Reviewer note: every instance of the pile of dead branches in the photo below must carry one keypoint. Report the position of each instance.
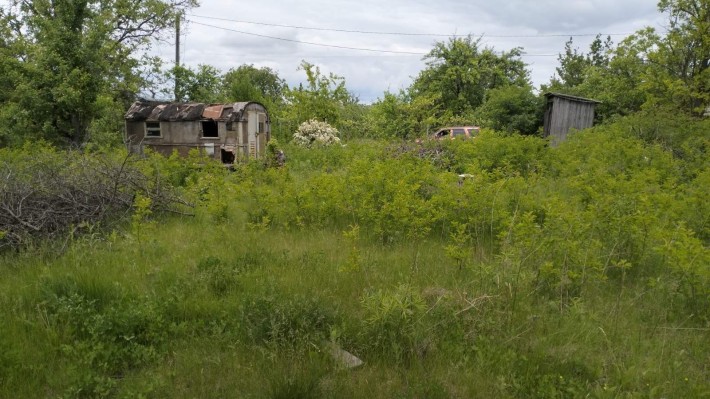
(432, 151)
(50, 193)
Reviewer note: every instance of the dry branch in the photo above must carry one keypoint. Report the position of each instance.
(44, 197)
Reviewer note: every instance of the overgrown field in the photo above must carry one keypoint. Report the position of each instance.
(497, 267)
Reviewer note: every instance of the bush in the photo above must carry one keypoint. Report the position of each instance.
(314, 132)
(104, 332)
(393, 323)
(45, 193)
(299, 322)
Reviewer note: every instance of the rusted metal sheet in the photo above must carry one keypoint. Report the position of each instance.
(171, 112)
(141, 110)
(213, 112)
(157, 111)
(178, 112)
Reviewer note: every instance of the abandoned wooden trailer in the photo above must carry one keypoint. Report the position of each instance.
(227, 132)
(565, 112)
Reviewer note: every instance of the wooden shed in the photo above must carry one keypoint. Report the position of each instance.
(227, 132)
(565, 112)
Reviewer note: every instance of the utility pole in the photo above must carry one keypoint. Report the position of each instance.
(177, 54)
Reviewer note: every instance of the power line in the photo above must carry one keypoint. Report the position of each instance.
(365, 32)
(311, 43)
(339, 46)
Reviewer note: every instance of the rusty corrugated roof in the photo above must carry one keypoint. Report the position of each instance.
(167, 111)
(213, 111)
(141, 110)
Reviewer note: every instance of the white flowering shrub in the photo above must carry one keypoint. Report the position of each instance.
(314, 132)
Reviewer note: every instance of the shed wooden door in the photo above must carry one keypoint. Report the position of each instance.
(252, 124)
(261, 133)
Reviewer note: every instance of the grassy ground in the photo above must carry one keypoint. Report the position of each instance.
(580, 271)
(203, 309)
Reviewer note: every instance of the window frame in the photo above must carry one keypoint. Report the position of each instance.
(202, 130)
(149, 130)
(260, 125)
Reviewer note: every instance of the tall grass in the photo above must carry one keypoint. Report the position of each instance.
(569, 272)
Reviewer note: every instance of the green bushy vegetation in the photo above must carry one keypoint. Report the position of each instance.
(498, 267)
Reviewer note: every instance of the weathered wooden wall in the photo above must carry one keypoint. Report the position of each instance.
(564, 114)
(245, 137)
(180, 136)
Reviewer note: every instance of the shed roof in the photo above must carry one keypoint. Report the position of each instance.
(573, 98)
(167, 111)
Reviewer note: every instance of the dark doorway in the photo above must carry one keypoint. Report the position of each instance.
(227, 157)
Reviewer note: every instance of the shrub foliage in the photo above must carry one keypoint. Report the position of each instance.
(499, 266)
(314, 132)
(47, 193)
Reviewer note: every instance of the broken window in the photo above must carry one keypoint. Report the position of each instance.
(209, 129)
(152, 129)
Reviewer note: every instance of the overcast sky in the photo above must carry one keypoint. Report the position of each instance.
(226, 34)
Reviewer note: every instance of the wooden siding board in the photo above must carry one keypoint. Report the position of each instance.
(181, 127)
(564, 114)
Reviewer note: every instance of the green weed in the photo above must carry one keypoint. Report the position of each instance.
(573, 271)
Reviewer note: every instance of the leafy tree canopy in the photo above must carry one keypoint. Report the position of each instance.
(459, 73)
(680, 61)
(322, 98)
(198, 85)
(64, 55)
(574, 65)
(648, 69)
(249, 83)
(512, 109)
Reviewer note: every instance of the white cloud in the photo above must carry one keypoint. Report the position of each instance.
(553, 16)
(369, 74)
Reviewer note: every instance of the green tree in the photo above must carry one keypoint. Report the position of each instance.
(248, 83)
(575, 65)
(647, 69)
(324, 98)
(599, 51)
(610, 75)
(402, 116)
(618, 82)
(681, 59)
(512, 109)
(10, 65)
(263, 85)
(391, 115)
(70, 57)
(572, 69)
(199, 85)
(459, 73)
